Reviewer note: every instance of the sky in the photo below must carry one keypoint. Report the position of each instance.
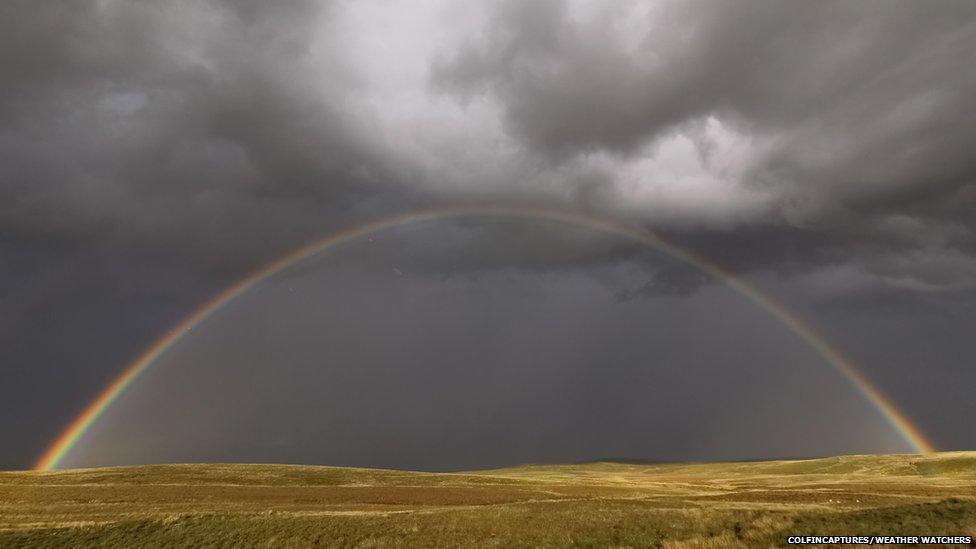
(152, 153)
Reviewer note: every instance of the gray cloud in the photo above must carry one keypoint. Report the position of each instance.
(153, 152)
(149, 154)
(861, 117)
(183, 124)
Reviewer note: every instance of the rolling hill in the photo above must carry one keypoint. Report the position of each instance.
(593, 504)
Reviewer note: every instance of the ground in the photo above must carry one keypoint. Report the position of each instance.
(593, 505)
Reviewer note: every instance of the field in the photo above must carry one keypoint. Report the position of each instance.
(594, 504)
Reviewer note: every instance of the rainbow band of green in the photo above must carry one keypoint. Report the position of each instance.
(61, 446)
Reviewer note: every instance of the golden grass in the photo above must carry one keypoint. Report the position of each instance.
(596, 504)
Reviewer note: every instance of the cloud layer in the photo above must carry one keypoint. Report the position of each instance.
(153, 152)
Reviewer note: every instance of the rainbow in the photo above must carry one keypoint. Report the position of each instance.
(61, 446)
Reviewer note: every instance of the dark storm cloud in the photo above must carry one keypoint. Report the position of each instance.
(569, 84)
(152, 152)
(188, 125)
(867, 111)
(198, 127)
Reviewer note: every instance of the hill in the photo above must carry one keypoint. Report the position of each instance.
(593, 504)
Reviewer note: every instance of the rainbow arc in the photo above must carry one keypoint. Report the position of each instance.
(61, 446)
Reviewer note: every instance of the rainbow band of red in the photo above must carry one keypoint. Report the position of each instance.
(60, 447)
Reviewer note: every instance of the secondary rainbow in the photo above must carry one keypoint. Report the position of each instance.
(60, 447)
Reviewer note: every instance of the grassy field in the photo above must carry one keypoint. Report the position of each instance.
(590, 505)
